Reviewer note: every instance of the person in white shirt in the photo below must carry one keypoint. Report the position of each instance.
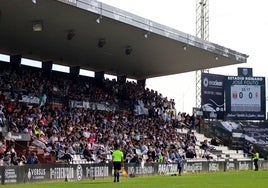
(63, 155)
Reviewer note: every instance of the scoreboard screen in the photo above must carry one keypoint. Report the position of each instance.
(245, 98)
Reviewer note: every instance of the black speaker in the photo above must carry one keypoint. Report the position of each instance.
(99, 76)
(15, 61)
(75, 71)
(128, 50)
(47, 65)
(47, 68)
(121, 79)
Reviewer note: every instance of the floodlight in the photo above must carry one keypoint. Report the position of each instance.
(147, 35)
(37, 26)
(98, 20)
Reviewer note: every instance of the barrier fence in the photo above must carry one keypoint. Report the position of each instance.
(77, 172)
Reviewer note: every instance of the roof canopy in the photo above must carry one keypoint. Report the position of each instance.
(99, 37)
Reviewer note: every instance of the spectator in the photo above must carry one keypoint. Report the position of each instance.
(207, 155)
(7, 158)
(251, 150)
(192, 122)
(215, 141)
(2, 98)
(3, 145)
(87, 153)
(86, 127)
(190, 152)
(1, 159)
(161, 158)
(205, 145)
(135, 160)
(63, 154)
(198, 123)
(246, 149)
(32, 159)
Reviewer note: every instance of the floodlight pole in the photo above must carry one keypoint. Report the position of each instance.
(202, 31)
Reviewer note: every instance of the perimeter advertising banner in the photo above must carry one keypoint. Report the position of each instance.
(77, 172)
(212, 96)
(245, 98)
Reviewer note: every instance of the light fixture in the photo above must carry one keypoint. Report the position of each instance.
(34, 1)
(184, 48)
(217, 58)
(98, 20)
(101, 42)
(147, 35)
(70, 34)
(37, 26)
(128, 50)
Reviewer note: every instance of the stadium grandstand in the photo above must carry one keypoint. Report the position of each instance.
(68, 117)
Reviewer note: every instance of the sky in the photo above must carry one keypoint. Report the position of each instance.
(241, 25)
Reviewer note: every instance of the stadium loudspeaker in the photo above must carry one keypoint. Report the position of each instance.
(70, 35)
(75, 70)
(47, 65)
(121, 79)
(141, 82)
(128, 50)
(15, 60)
(47, 68)
(101, 43)
(99, 76)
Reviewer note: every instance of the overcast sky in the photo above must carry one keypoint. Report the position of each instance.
(241, 25)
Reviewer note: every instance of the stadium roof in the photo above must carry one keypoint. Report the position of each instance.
(95, 36)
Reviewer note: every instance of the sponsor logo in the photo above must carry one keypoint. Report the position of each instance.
(62, 173)
(36, 173)
(205, 82)
(212, 83)
(79, 172)
(245, 72)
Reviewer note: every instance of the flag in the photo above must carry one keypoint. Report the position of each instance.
(124, 172)
(42, 100)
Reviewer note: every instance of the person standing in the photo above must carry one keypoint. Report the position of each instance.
(255, 160)
(179, 165)
(118, 161)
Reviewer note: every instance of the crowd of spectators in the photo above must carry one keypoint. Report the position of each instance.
(63, 132)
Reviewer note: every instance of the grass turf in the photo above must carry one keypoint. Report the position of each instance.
(234, 179)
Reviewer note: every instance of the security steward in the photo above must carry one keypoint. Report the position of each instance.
(255, 159)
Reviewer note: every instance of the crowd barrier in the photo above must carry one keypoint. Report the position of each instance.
(77, 172)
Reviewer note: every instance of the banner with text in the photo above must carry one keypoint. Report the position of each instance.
(212, 96)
